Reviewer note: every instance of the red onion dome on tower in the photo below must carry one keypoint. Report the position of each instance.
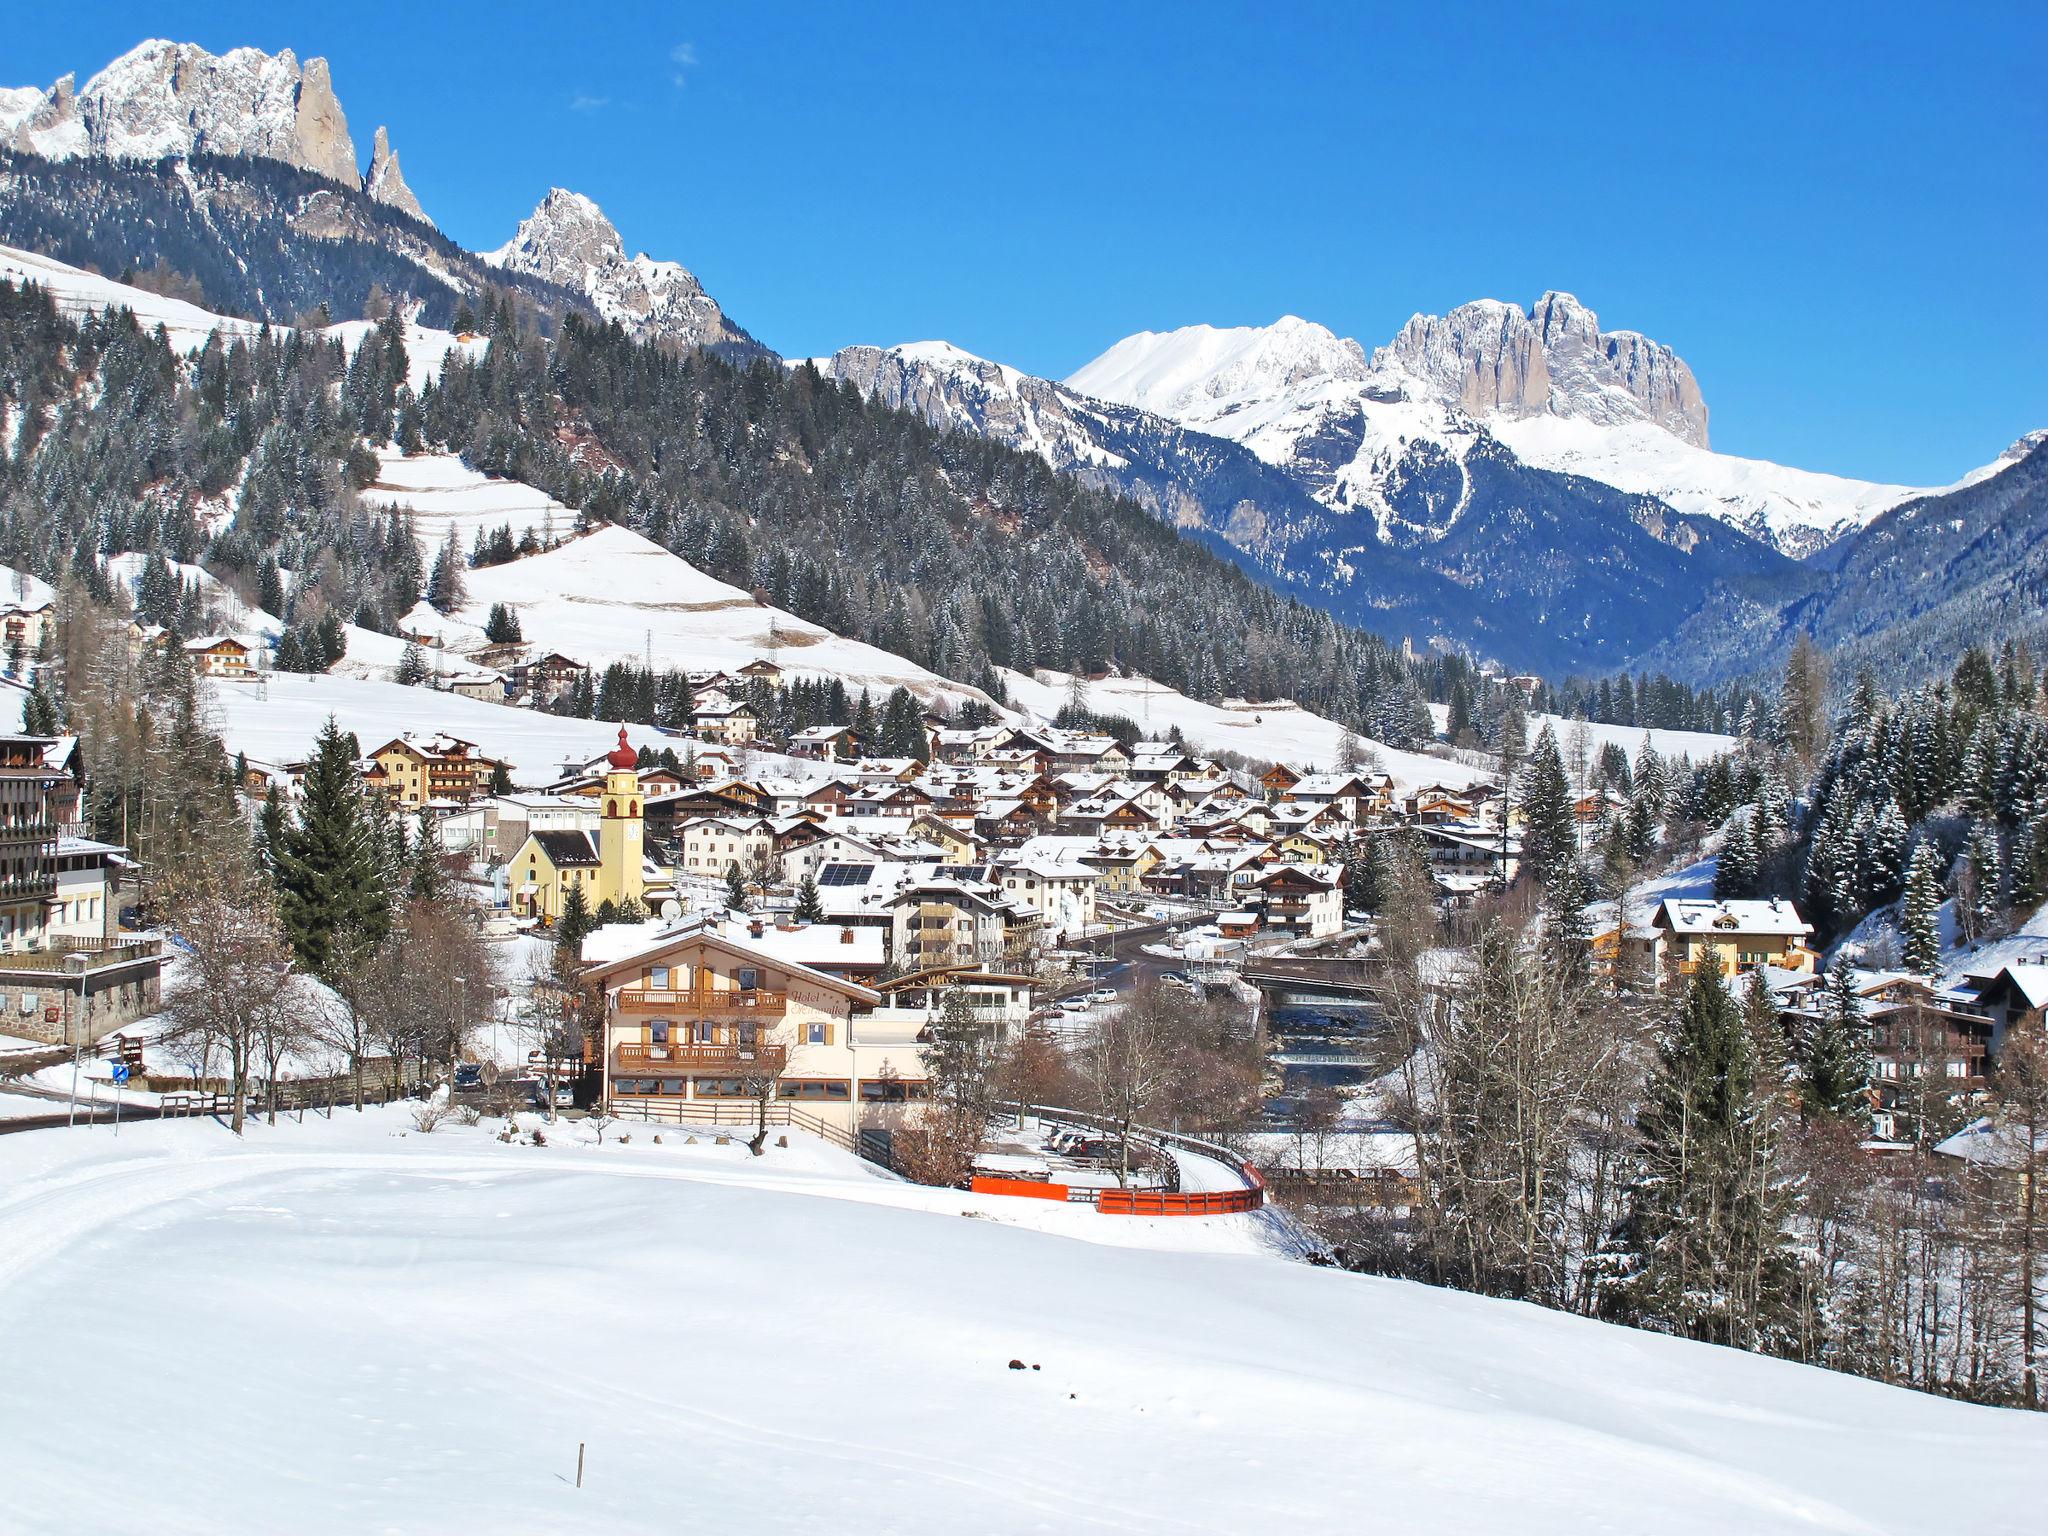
(623, 756)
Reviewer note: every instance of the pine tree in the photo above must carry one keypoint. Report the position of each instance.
(1735, 872)
(39, 713)
(502, 627)
(412, 666)
(1701, 1250)
(1835, 1070)
(736, 898)
(1550, 829)
(810, 907)
(328, 868)
(574, 925)
(445, 586)
(1567, 935)
(1920, 911)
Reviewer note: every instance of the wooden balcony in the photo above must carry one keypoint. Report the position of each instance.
(656, 1059)
(706, 1002)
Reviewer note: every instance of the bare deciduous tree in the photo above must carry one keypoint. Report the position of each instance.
(236, 991)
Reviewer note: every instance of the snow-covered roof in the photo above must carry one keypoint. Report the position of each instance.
(1708, 918)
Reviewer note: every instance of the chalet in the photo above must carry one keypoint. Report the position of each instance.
(1278, 780)
(728, 724)
(1735, 936)
(711, 1014)
(219, 656)
(23, 624)
(2015, 996)
(823, 743)
(1062, 890)
(414, 771)
(1301, 900)
(1238, 925)
(761, 670)
(714, 845)
(948, 918)
(547, 678)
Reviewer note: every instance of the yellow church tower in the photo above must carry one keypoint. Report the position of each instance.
(622, 833)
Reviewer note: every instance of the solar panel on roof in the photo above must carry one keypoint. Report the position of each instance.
(846, 874)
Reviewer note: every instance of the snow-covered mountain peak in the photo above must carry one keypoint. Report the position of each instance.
(566, 237)
(164, 98)
(568, 240)
(1193, 371)
(1496, 359)
(172, 99)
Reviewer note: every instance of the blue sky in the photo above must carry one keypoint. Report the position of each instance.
(1835, 215)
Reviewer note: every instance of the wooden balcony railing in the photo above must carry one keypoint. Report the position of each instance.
(700, 1058)
(700, 1001)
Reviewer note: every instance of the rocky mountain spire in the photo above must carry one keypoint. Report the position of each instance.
(568, 240)
(386, 182)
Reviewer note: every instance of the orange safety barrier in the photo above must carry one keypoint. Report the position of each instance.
(1153, 1202)
(1030, 1188)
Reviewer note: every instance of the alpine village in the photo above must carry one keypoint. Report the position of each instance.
(486, 736)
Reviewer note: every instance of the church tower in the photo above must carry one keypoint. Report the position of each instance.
(623, 831)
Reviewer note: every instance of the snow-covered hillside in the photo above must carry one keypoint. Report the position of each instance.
(740, 1344)
(614, 596)
(1276, 731)
(444, 496)
(78, 293)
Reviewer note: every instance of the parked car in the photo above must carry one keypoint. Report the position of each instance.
(1102, 995)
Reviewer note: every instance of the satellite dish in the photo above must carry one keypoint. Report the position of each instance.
(671, 908)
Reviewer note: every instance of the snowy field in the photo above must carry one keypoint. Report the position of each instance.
(344, 1327)
(614, 596)
(1279, 731)
(279, 721)
(1696, 745)
(444, 496)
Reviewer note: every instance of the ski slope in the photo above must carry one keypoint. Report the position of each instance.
(349, 1326)
(1276, 731)
(444, 496)
(613, 596)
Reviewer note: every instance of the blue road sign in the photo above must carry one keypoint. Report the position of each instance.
(120, 1071)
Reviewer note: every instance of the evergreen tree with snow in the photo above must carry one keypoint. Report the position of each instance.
(1702, 1250)
(1550, 827)
(412, 666)
(1735, 867)
(810, 906)
(328, 866)
(1568, 936)
(1920, 910)
(502, 626)
(1835, 1071)
(574, 925)
(736, 897)
(39, 713)
(445, 586)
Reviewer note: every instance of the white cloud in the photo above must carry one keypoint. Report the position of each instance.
(582, 103)
(682, 58)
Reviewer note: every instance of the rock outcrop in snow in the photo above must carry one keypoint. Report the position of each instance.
(567, 240)
(386, 182)
(1563, 394)
(169, 99)
(1493, 359)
